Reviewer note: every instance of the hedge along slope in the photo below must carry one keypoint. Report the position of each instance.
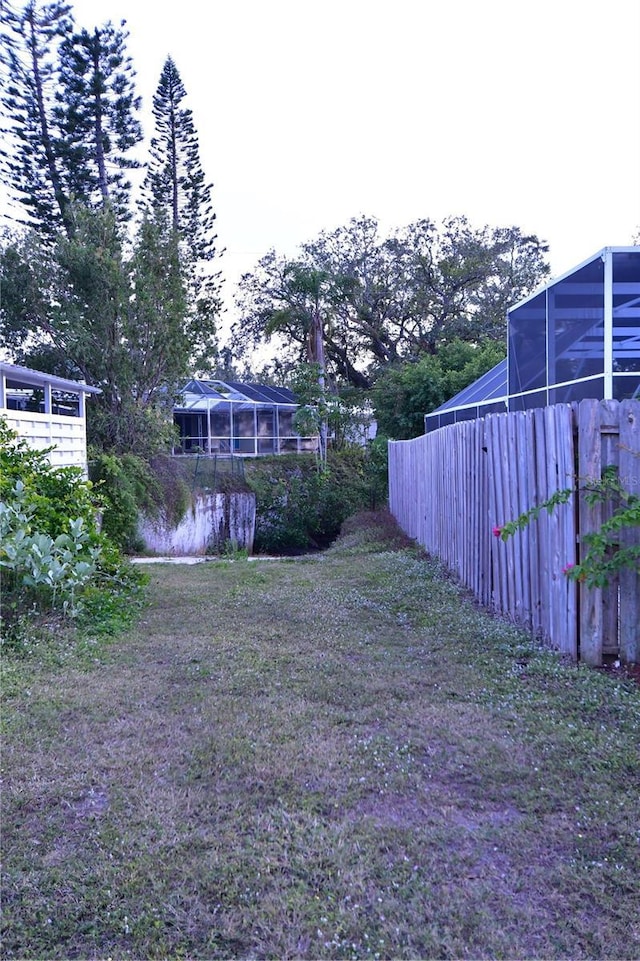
(300, 507)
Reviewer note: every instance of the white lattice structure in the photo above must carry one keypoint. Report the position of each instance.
(46, 411)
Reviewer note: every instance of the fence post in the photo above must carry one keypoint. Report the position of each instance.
(629, 474)
(589, 520)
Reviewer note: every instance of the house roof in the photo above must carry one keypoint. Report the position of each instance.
(22, 376)
(491, 386)
(238, 393)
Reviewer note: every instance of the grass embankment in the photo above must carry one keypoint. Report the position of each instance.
(330, 758)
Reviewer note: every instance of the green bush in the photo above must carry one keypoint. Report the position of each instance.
(301, 507)
(52, 556)
(38, 568)
(52, 494)
(128, 485)
(404, 394)
(118, 489)
(377, 472)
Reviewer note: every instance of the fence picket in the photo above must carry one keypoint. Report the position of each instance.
(568, 639)
(589, 468)
(541, 525)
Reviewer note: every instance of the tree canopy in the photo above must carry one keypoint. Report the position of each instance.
(70, 114)
(389, 300)
(403, 395)
(177, 197)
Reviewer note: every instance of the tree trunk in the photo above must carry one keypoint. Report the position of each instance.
(316, 356)
(52, 166)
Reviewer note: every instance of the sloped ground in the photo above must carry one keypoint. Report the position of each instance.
(335, 757)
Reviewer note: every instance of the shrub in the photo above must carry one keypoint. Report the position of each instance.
(52, 555)
(300, 506)
(128, 485)
(52, 494)
(37, 568)
(377, 472)
(119, 491)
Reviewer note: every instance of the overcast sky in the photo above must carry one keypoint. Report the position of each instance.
(310, 112)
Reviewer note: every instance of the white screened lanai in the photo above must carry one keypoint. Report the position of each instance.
(47, 412)
(576, 338)
(216, 417)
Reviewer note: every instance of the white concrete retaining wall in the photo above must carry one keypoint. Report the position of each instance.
(215, 521)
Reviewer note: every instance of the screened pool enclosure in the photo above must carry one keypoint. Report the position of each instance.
(577, 338)
(215, 417)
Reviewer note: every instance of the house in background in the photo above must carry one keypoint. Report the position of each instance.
(576, 338)
(46, 411)
(216, 417)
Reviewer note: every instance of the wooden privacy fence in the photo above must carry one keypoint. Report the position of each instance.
(451, 488)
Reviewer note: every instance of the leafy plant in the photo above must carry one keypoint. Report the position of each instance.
(119, 491)
(299, 507)
(377, 472)
(128, 485)
(604, 553)
(40, 570)
(54, 494)
(52, 556)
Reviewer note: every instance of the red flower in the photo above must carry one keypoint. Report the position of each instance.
(497, 531)
(567, 568)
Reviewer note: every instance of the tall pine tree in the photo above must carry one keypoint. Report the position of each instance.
(82, 294)
(30, 157)
(96, 110)
(176, 194)
(69, 114)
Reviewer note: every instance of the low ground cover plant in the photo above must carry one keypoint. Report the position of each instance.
(337, 757)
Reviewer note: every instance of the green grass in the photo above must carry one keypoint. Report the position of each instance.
(334, 757)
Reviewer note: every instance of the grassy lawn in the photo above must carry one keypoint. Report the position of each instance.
(334, 757)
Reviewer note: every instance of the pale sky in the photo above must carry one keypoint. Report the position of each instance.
(510, 112)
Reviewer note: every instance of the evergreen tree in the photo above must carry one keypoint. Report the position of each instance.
(29, 288)
(30, 161)
(84, 309)
(177, 195)
(81, 296)
(96, 107)
(69, 109)
(158, 344)
(93, 286)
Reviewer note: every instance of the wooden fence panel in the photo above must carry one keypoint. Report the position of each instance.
(540, 558)
(522, 453)
(591, 517)
(567, 641)
(497, 507)
(610, 456)
(450, 488)
(554, 564)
